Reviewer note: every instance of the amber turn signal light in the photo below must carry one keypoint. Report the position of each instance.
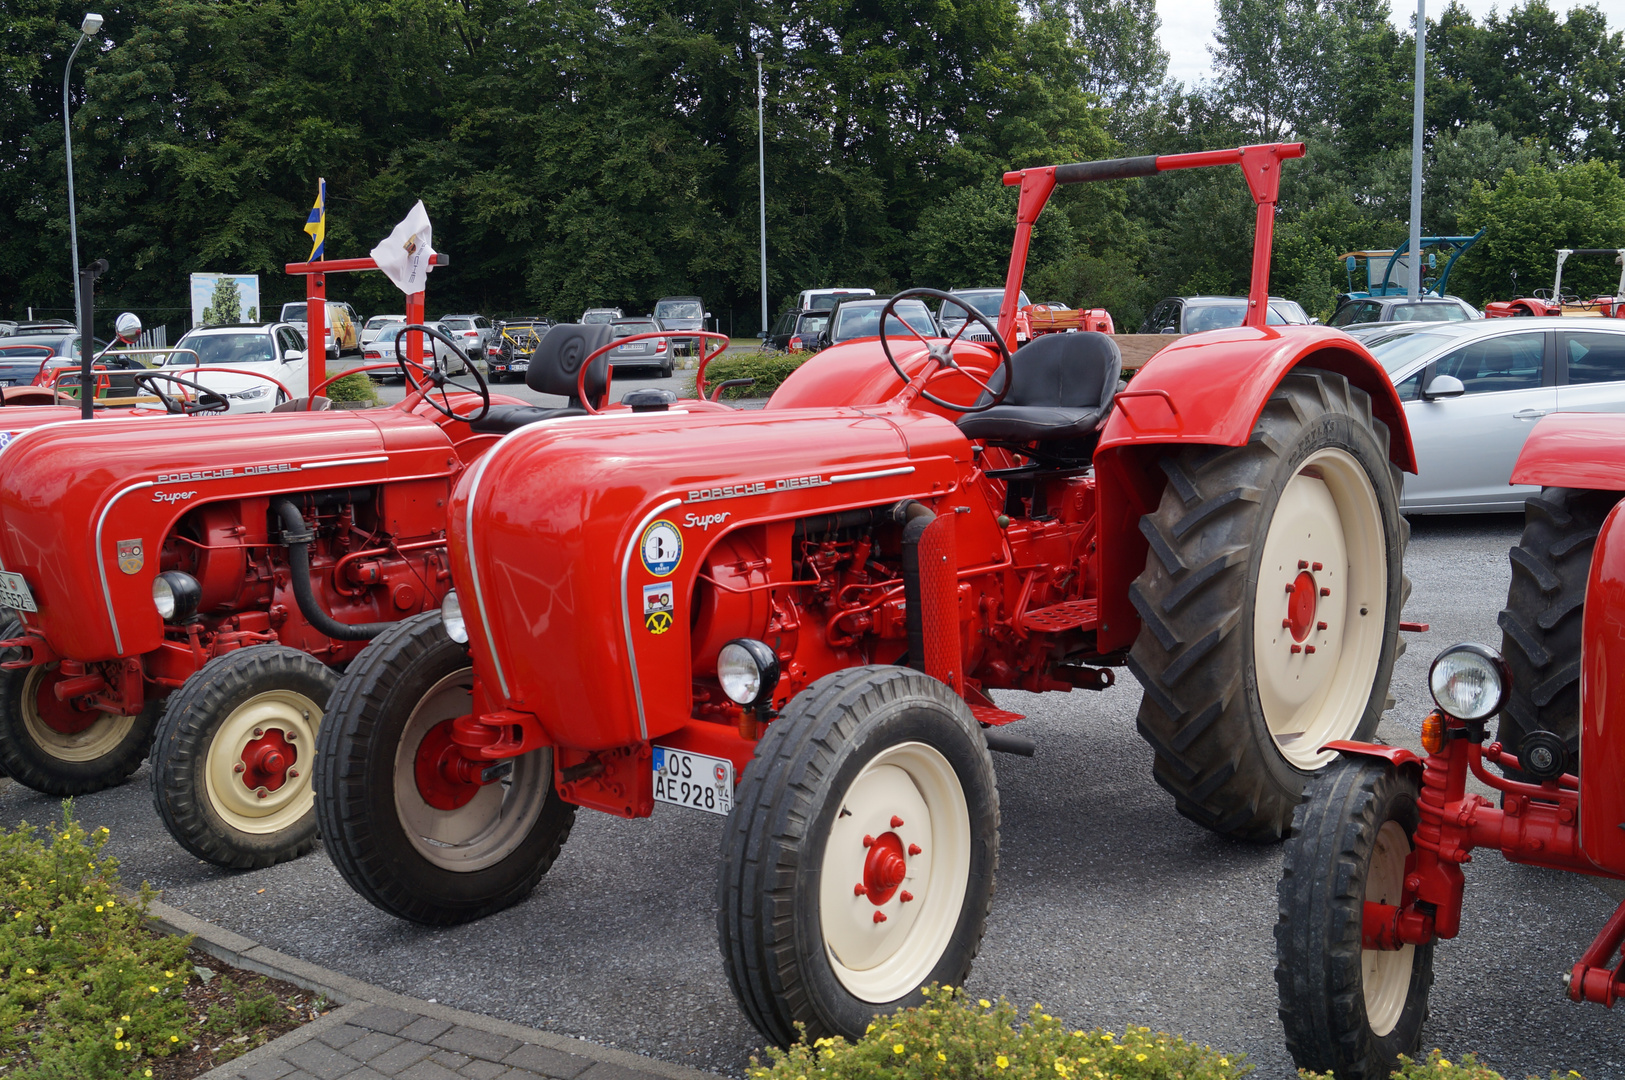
(1433, 733)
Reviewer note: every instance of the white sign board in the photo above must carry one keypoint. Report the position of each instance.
(213, 296)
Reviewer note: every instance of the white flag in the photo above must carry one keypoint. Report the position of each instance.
(404, 255)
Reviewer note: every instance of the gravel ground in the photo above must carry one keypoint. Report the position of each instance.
(1111, 909)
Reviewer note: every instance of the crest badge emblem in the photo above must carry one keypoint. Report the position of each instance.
(130, 556)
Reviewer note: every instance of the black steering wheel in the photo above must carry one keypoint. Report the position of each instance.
(944, 352)
(208, 400)
(436, 379)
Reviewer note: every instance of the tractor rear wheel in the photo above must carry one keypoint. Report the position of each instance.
(1348, 1009)
(857, 864)
(1270, 605)
(59, 747)
(232, 762)
(416, 844)
(1540, 626)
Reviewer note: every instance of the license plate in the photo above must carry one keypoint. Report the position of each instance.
(521, 365)
(696, 781)
(14, 594)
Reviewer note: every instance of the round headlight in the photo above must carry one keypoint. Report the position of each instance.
(451, 613)
(749, 671)
(176, 594)
(1469, 681)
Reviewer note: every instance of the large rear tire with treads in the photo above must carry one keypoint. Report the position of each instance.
(1270, 605)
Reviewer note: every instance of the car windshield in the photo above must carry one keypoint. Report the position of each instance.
(863, 320)
(1395, 352)
(457, 324)
(813, 324)
(293, 312)
(592, 317)
(1429, 313)
(381, 320)
(627, 329)
(224, 350)
(677, 309)
(985, 301)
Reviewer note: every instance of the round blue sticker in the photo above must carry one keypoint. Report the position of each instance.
(661, 548)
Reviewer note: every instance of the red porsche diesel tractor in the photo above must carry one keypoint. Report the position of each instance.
(232, 559)
(1556, 302)
(1372, 877)
(814, 600)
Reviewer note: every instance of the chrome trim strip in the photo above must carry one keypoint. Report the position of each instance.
(101, 563)
(345, 461)
(901, 470)
(626, 609)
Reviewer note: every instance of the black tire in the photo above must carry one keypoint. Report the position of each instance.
(1320, 970)
(360, 806)
(33, 754)
(1540, 626)
(252, 707)
(1206, 600)
(667, 371)
(798, 795)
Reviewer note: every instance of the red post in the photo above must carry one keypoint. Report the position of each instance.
(414, 314)
(316, 331)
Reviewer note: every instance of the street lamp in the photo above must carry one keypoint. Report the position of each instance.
(761, 180)
(87, 30)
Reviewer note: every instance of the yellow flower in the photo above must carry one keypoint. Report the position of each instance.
(897, 1048)
(985, 1003)
(1446, 1063)
(118, 1033)
(174, 1038)
(98, 909)
(148, 1072)
(1002, 1062)
(118, 1046)
(941, 1056)
(30, 970)
(154, 989)
(1139, 1057)
(1225, 1062)
(169, 974)
(126, 1016)
(19, 914)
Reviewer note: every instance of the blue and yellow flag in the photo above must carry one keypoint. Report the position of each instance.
(316, 225)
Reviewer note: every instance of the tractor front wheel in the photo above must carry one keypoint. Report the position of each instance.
(1346, 1009)
(65, 748)
(232, 762)
(858, 862)
(1270, 605)
(403, 829)
(1540, 626)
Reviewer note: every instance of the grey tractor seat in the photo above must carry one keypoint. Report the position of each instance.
(1062, 386)
(501, 419)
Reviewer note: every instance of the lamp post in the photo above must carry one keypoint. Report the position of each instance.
(87, 30)
(761, 181)
(1415, 288)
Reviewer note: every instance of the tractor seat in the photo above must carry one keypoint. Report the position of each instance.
(501, 419)
(304, 404)
(556, 362)
(1063, 388)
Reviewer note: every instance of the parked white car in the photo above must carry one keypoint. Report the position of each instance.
(274, 349)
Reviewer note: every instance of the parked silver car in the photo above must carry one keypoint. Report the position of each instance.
(1472, 392)
(473, 333)
(381, 350)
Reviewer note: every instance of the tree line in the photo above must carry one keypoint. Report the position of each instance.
(584, 153)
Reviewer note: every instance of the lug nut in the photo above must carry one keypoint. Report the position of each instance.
(860, 889)
(1320, 626)
(914, 849)
(1325, 592)
(261, 793)
(868, 841)
(293, 774)
(1308, 649)
(239, 767)
(1303, 564)
(880, 916)
(259, 733)
(292, 735)
(1317, 566)
(1286, 624)
(906, 896)
(896, 822)
(1297, 648)
(1289, 586)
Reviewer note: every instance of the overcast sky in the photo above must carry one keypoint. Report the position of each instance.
(1187, 27)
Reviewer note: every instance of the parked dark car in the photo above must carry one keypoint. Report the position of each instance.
(861, 318)
(650, 352)
(681, 313)
(1194, 314)
(514, 340)
(1372, 309)
(29, 358)
(797, 331)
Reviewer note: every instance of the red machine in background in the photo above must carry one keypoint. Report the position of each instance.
(1557, 303)
(816, 599)
(1373, 875)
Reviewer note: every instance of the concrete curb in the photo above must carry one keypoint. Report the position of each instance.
(355, 997)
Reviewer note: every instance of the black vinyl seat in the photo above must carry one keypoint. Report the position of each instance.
(1063, 385)
(554, 365)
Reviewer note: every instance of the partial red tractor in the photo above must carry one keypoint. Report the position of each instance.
(1373, 875)
(794, 617)
(1556, 302)
(235, 560)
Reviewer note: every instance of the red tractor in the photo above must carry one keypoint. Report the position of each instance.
(793, 617)
(234, 560)
(1557, 303)
(1372, 876)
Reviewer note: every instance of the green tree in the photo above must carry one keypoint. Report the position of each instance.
(226, 305)
(964, 241)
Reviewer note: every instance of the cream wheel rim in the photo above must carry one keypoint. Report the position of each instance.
(1385, 974)
(96, 741)
(242, 797)
(1321, 606)
(491, 825)
(907, 800)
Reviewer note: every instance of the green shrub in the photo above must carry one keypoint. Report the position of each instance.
(355, 387)
(768, 369)
(952, 1036)
(1439, 1067)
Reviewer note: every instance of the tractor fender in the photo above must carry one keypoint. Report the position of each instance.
(1602, 701)
(1208, 388)
(1397, 756)
(1574, 450)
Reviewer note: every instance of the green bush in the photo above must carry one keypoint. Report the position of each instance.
(1439, 1067)
(768, 369)
(356, 387)
(952, 1036)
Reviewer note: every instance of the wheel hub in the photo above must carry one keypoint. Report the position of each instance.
(267, 759)
(1301, 608)
(64, 717)
(446, 779)
(255, 778)
(884, 869)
